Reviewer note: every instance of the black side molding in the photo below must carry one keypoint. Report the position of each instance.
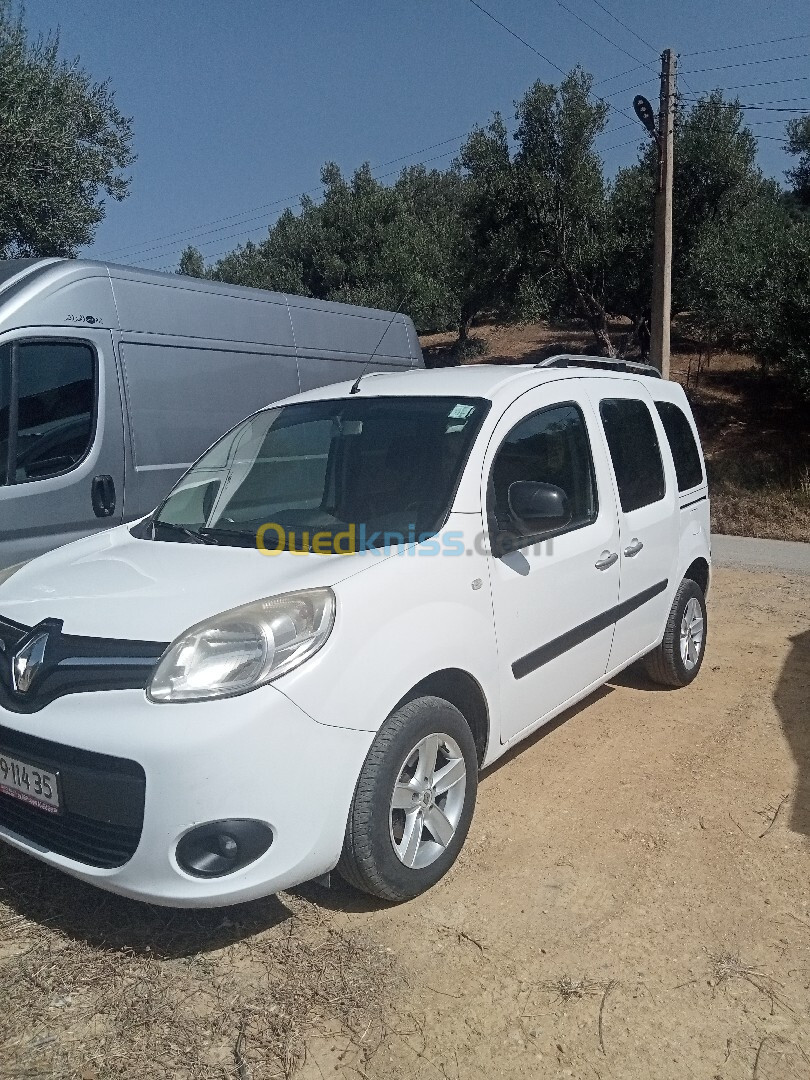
(571, 638)
(694, 502)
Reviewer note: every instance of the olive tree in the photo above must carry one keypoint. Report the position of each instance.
(63, 146)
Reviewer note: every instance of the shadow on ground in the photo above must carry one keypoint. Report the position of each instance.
(636, 678)
(792, 700)
(31, 890)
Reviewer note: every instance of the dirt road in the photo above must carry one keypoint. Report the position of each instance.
(633, 902)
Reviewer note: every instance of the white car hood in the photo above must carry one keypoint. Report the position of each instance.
(112, 585)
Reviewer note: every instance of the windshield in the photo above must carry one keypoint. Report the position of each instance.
(302, 477)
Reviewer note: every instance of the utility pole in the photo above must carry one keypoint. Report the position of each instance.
(662, 256)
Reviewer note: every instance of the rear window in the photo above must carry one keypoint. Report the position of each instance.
(682, 443)
(634, 451)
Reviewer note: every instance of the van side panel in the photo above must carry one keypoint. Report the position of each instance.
(181, 398)
(63, 296)
(356, 335)
(175, 308)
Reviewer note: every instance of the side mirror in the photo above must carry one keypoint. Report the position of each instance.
(538, 508)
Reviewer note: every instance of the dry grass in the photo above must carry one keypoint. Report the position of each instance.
(725, 967)
(770, 512)
(102, 987)
(568, 989)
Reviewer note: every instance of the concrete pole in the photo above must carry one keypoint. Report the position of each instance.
(662, 257)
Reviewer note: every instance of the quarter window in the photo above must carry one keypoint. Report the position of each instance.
(549, 447)
(47, 409)
(682, 443)
(634, 451)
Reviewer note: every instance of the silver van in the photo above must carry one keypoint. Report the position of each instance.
(113, 380)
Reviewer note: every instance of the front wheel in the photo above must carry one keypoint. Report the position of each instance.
(413, 803)
(677, 659)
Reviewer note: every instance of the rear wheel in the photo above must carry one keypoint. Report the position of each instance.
(677, 659)
(413, 803)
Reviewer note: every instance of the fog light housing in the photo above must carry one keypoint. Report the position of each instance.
(219, 848)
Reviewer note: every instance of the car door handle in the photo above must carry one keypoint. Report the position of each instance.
(633, 548)
(103, 496)
(606, 560)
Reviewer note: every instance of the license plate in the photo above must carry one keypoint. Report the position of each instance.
(29, 784)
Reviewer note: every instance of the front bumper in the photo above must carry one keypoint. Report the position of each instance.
(257, 757)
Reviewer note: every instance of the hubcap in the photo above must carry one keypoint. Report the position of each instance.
(428, 800)
(691, 634)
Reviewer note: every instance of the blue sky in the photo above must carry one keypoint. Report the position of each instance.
(237, 103)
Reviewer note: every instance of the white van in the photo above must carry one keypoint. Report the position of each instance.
(353, 602)
(113, 380)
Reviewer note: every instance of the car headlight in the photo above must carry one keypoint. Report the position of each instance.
(6, 574)
(239, 650)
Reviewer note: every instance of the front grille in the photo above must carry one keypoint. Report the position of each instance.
(90, 842)
(71, 664)
(102, 800)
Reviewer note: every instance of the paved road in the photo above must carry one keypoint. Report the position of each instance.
(751, 554)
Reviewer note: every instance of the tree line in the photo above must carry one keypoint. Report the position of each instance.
(520, 227)
(529, 227)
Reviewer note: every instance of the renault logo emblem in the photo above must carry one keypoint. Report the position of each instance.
(27, 662)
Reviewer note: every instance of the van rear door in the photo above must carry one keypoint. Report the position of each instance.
(61, 440)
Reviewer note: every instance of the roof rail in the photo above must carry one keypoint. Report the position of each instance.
(630, 367)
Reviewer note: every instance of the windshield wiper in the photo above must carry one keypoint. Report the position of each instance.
(213, 535)
(195, 537)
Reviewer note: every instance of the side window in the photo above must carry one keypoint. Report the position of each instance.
(48, 426)
(634, 451)
(550, 447)
(682, 443)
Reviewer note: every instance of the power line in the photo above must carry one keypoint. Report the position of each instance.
(604, 37)
(197, 230)
(774, 82)
(616, 146)
(622, 127)
(747, 45)
(766, 105)
(516, 36)
(558, 68)
(630, 142)
(748, 63)
(742, 86)
(629, 71)
(186, 233)
(175, 247)
(760, 108)
(626, 90)
(624, 26)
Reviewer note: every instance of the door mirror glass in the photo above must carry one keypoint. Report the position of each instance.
(538, 507)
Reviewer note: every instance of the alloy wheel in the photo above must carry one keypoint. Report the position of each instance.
(691, 633)
(427, 801)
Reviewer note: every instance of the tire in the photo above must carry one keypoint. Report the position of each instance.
(668, 665)
(394, 854)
